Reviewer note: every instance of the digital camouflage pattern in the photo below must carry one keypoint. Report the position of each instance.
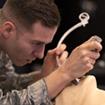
(18, 89)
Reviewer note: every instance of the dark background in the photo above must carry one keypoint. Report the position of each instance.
(70, 10)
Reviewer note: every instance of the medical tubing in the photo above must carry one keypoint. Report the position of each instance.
(68, 32)
(84, 17)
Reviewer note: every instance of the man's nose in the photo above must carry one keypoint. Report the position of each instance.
(40, 52)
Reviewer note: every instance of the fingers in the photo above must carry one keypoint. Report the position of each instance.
(94, 55)
(60, 49)
(95, 38)
(83, 58)
(93, 44)
(57, 51)
(89, 58)
(89, 62)
(90, 54)
(63, 57)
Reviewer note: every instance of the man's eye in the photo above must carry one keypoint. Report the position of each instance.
(37, 44)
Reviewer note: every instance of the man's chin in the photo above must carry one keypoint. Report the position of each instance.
(20, 64)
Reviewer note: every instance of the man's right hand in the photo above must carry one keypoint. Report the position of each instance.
(80, 61)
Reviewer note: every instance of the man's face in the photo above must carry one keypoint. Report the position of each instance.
(27, 45)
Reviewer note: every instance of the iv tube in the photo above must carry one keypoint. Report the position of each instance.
(84, 17)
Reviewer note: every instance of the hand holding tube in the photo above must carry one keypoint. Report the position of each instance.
(84, 17)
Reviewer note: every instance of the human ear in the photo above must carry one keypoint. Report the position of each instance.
(8, 29)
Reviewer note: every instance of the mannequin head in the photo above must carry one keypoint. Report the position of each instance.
(85, 93)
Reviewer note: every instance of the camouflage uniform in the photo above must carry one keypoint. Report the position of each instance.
(14, 90)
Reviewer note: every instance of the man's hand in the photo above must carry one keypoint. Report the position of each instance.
(80, 61)
(50, 62)
(82, 58)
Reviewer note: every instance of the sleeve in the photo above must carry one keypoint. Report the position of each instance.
(35, 94)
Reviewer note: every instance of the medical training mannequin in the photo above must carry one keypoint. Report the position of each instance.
(85, 93)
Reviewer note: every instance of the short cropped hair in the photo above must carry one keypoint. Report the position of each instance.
(28, 12)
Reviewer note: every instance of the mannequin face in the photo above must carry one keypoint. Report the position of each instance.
(85, 93)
